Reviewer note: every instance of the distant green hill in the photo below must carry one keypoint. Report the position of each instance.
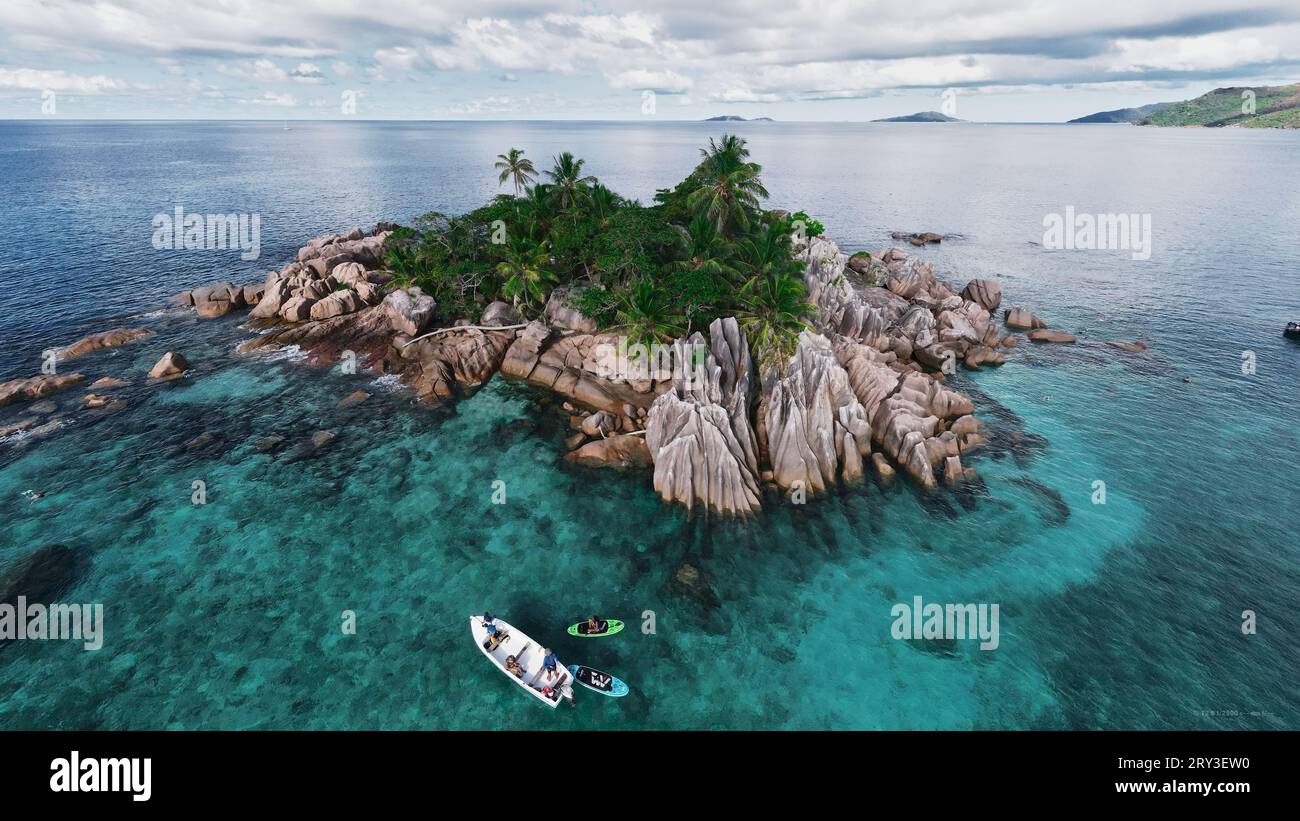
(921, 117)
(1275, 107)
(1123, 115)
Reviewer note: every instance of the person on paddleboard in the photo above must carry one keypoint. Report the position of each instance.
(594, 626)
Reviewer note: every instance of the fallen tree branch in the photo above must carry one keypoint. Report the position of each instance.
(467, 328)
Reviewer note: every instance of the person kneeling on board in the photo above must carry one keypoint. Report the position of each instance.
(595, 626)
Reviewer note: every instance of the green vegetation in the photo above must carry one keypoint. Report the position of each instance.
(705, 249)
(1275, 107)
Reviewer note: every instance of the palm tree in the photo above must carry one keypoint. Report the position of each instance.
(647, 314)
(535, 209)
(729, 185)
(524, 272)
(772, 309)
(767, 250)
(703, 247)
(402, 258)
(604, 203)
(568, 185)
(515, 166)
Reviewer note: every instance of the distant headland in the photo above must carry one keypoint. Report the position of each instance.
(1235, 106)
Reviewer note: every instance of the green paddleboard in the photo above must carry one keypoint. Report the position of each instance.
(580, 629)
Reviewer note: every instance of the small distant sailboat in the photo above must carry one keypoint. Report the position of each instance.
(286, 126)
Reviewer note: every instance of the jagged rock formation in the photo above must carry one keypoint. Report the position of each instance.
(333, 275)
(886, 338)
(914, 419)
(815, 428)
(699, 432)
(871, 371)
(986, 293)
(624, 450)
(453, 362)
(577, 367)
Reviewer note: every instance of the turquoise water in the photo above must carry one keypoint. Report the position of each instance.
(1118, 615)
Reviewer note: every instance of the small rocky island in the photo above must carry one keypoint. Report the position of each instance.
(780, 364)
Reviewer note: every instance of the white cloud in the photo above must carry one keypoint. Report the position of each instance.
(258, 71)
(729, 51)
(271, 98)
(668, 82)
(39, 80)
(307, 73)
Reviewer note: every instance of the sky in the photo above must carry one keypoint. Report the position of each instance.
(990, 61)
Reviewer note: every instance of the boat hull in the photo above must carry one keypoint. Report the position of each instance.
(529, 655)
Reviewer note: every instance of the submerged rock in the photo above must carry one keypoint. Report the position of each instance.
(104, 339)
(34, 387)
(267, 444)
(353, 399)
(918, 238)
(1048, 335)
(689, 581)
(40, 576)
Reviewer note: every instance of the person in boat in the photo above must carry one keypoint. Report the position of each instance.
(494, 633)
(513, 666)
(595, 626)
(548, 663)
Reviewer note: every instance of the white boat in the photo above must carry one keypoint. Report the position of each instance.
(528, 654)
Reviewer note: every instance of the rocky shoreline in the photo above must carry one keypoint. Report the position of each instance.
(863, 392)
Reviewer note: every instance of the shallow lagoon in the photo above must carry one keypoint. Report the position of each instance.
(227, 615)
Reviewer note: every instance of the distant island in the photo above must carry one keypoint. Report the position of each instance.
(732, 118)
(1274, 107)
(1123, 115)
(921, 117)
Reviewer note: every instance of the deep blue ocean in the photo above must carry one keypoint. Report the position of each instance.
(1126, 614)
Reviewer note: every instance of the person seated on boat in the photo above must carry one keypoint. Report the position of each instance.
(494, 633)
(595, 626)
(548, 663)
(513, 666)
